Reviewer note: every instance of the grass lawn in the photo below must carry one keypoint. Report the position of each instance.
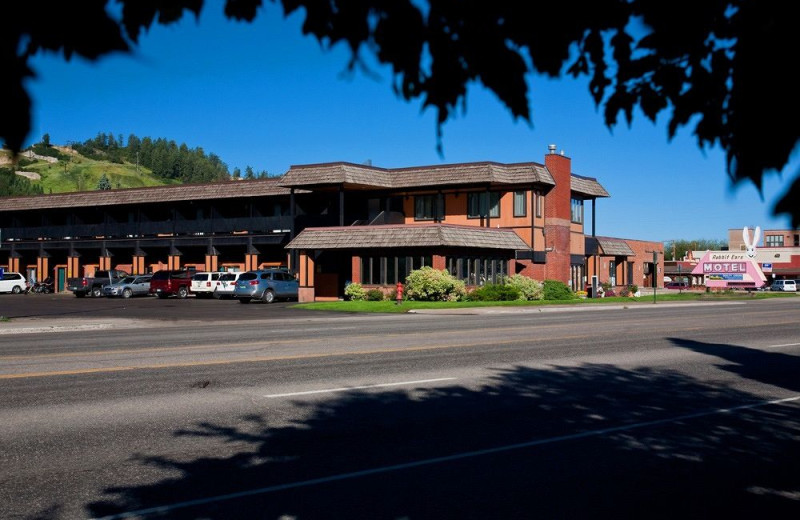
(670, 296)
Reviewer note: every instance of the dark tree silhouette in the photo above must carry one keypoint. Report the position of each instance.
(721, 67)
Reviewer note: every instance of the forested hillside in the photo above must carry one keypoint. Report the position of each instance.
(165, 159)
(107, 162)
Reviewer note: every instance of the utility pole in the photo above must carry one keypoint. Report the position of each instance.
(655, 272)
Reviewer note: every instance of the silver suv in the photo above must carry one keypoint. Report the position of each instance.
(265, 285)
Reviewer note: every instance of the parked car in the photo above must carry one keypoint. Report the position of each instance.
(226, 285)
(12, 282)
(174, 282)
(265, 285)
(129, 286)
(676, 285)
(784, 285)
(204, 284)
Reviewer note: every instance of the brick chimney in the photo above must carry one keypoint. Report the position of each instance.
(557, 216)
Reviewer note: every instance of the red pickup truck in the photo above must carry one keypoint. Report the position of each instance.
(166, 283)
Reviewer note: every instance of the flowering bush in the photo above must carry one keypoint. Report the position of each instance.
(355, 292)
(528, 288)
(429, 284)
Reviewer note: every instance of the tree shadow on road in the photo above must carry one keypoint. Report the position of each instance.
(589, 441)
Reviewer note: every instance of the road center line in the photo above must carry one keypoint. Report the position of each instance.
(345, 389)
(784, 345)
(447, 458)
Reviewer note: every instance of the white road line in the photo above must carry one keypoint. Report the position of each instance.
(345, 389)
(438, 460)
(784, 345)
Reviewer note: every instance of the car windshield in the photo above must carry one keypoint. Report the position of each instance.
(199, 277)
(227, 277)
(161, 275)
(248, 276)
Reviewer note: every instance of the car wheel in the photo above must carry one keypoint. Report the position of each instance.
(268, 296)
(182, 292)
(244, 300)
(97, 292)
(16, 289)
(46, 290)
(127, 293)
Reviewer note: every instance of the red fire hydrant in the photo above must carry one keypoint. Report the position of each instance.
(399, 293)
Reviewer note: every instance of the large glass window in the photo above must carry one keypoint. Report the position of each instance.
(577, 211)
(425, 207)
(520, 203)
(476, 204)
(773, 240)
(539, 203)
(477, 270)
(388, 270)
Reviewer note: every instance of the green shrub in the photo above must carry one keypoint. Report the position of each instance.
(429, 284)
(557, 290)
(355, 292)
(375, 295)
(606, 286)
(495, 293)
(528, 288)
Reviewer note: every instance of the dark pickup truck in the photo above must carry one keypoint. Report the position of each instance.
(93, 286)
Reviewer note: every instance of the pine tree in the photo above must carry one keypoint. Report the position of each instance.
(104, 183)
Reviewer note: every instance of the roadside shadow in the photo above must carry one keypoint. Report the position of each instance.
(773, 368)
(589, 441)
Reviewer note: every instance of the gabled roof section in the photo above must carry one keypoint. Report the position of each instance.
(366, 176)
(608, 246)
(214, 190)
(395, 236)
(587, 186)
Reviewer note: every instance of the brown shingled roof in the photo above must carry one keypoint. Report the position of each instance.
(214, 190)
(587, 186)
(608, 246)
(415, 177)
(394, 236)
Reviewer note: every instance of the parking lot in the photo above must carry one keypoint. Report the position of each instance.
(66, 305)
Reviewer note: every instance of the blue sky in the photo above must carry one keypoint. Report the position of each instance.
(263, 95)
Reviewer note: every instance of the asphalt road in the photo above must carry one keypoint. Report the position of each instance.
(205, 409)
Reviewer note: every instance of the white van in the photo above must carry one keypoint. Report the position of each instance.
(12, 282)
(226, 284)
(784, 285)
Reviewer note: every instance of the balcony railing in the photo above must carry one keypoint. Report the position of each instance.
(215, 226)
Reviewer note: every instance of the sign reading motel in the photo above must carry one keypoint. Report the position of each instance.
(727, 270)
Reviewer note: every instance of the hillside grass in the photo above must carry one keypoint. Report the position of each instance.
(83, 174)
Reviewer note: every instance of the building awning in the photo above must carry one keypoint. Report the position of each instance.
(404, 236)
(606, 246)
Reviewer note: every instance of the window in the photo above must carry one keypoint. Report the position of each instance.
(539, 203)
(477, 270)
(520, 203)
(388, 270)
(577, 211)
(425, 207)
(476, 204)
(774, 240)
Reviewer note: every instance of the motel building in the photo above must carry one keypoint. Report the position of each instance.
(336, 223)
(777, 256)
